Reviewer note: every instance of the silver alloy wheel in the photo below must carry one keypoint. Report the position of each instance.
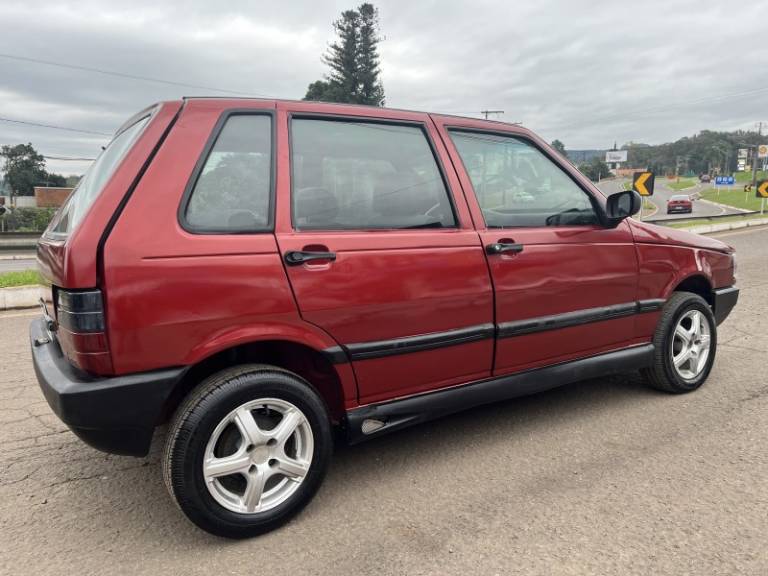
(258, 455)
(691, 344)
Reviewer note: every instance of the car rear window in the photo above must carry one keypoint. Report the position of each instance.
(678, 198)
(92, 183)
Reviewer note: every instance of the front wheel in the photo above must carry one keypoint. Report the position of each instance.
(685, 342)
(247, 450)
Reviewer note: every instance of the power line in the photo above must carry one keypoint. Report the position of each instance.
(128, 76)
(52, 126)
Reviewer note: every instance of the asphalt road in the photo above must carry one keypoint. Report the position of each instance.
(662, 194)
(10, 265)
(602, 477)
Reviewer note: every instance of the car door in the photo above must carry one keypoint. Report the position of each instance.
(565, 285)
(379, 250)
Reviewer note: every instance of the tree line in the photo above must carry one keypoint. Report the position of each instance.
(708, 152)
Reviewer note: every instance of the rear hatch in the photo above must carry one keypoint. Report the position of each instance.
(68, 252)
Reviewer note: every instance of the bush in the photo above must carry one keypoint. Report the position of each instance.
(27, 219)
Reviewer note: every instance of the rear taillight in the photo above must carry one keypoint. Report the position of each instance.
(81, 312)
(81, 329)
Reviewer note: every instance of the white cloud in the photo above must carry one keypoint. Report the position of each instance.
(586, 72)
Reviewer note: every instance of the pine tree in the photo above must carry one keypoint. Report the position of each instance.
(371, 89)
(353, 61)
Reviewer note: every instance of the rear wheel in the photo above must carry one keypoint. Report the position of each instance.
(685, 343)
(247, 450)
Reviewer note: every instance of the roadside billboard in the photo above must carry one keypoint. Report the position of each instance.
(612, 156)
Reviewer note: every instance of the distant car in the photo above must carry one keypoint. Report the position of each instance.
(705, 178)
(680, 204)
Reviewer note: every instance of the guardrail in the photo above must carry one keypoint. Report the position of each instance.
(700, 218)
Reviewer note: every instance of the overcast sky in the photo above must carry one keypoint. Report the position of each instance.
(586, 72)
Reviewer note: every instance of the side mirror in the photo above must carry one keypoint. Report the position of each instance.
(622, 205)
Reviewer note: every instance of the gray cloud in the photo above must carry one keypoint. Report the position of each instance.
(588, 73)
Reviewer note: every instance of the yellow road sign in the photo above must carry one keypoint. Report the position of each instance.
(762, 189)
(643, 183)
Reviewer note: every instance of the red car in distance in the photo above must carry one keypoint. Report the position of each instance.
(679, 204)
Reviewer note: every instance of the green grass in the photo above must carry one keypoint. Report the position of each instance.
(736, 197)
(705, 222)
(22, 278)
(682, 184)
(747, 176)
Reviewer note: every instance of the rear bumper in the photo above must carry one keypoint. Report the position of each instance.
(116, 415)
(724, 301)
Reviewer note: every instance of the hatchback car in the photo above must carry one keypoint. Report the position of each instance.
(679, 204)
(259, 273)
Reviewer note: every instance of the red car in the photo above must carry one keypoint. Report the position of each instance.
(259, 273)
(679, 204)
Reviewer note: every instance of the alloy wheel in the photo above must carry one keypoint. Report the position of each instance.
(691, 345)
(258, 456)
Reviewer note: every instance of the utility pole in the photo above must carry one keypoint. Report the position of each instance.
(754, 155)
(487, 112)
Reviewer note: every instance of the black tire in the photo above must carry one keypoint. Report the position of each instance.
(197, 418)
(662, 375)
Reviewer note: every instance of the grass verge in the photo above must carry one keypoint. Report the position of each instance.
(682, 184)
(20, 278)
(736, 197)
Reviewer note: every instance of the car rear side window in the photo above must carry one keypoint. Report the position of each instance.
(518, 186)
(365, 175)
(232, 190)
(94, 180)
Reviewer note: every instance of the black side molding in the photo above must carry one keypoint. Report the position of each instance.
(556, 321)
(432, 341)
(378, 419)
(366, 350)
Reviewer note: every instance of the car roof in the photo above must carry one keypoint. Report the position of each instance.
(353, 106)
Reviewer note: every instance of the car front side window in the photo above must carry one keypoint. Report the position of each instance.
(518, 186)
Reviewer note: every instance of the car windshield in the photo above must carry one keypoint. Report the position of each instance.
(94, 180)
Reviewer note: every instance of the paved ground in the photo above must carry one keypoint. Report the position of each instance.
(603, 477)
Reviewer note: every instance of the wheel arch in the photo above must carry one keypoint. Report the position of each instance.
(300, 350)
(696, 283)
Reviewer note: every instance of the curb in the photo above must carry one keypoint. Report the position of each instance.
(725, 226)
(20, 297)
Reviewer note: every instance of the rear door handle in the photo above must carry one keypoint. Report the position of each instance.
(297, 257)
(502, 247)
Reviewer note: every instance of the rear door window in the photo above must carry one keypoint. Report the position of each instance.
(350, 175)
(94, 180)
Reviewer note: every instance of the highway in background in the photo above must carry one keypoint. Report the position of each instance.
(662, 194)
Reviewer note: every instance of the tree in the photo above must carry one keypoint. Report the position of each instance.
(353, 61)
(560, 147)
(24, 169)
(595, 169)
(371, 88)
